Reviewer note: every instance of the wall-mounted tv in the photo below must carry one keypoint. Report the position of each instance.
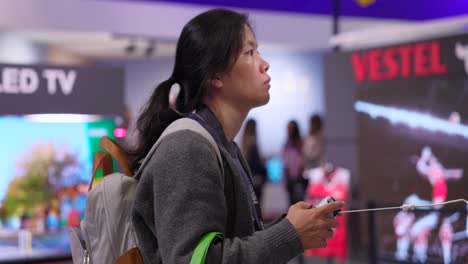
(45, 168)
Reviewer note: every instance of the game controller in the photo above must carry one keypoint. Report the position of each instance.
(327, 200)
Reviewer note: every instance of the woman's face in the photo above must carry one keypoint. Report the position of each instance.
(247, 83)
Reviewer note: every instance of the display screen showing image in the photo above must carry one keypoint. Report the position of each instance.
(414, 150)
(45, 169)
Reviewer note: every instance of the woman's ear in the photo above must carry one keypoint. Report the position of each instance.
(216, 82)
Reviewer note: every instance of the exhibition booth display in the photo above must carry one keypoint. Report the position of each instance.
(410, 112)
(51, 120)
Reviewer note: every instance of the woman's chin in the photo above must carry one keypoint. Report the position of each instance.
(264, 100)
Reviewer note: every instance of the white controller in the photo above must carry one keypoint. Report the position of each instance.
(327, 200)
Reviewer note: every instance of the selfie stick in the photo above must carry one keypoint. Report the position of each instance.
(404, 207)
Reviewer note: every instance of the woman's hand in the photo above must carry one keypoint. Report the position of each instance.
(313, 225)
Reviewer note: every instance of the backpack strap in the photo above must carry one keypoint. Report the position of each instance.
(115, 150)
(132, 256)
(103, 160)
(178, 125)
(200, 252)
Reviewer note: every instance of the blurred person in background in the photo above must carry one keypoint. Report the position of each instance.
(253, 157)
(313, 144)
(293, 164)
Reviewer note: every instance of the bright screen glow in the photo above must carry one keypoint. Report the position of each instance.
(45, 169)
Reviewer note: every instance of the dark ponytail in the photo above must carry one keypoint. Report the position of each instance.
(154, 118)
(208, 45)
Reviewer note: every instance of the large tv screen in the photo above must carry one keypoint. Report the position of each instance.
(45, 169)
(414, 149)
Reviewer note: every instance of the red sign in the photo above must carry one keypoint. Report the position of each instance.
(414, 60)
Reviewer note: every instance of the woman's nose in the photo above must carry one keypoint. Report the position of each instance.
(265, 65)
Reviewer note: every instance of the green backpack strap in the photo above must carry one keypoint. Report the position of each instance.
(201, 250)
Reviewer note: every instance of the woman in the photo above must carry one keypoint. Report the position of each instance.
(293, 164)
(313, 144)
(182, 193)
(252, 155)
